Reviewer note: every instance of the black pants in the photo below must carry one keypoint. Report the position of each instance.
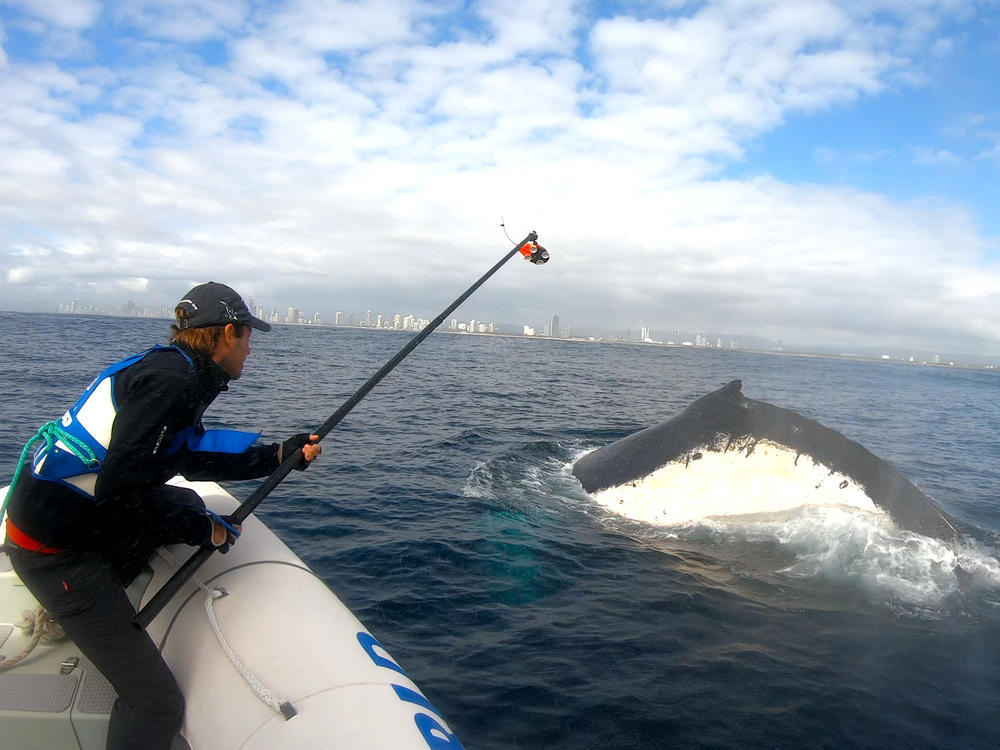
(84, 594)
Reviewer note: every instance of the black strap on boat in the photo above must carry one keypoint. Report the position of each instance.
(527, 247)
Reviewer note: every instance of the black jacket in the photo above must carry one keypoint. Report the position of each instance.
(157, 397)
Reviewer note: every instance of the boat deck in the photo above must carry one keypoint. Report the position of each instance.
(54, 699)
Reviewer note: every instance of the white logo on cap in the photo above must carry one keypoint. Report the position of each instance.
(193, 305)
(230, 313)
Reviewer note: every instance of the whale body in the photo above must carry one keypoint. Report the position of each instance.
(726, 454)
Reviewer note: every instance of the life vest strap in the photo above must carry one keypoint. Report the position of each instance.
(18, 537)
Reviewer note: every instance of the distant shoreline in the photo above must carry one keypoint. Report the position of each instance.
(950, 364)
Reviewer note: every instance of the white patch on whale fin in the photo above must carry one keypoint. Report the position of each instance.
(770, 478)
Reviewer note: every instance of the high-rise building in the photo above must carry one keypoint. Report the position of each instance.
(554, 329)
(293, 315)
(338, 318)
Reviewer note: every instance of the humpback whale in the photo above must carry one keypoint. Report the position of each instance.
(725, 447)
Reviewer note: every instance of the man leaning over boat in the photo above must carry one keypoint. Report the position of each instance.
(90, 507)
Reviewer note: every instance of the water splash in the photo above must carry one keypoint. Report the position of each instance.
(841, 547)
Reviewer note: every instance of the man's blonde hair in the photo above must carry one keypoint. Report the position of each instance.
(202, 340)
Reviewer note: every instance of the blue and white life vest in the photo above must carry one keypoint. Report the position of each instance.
(89, 422)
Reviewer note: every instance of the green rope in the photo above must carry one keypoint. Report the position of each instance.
(50, 432)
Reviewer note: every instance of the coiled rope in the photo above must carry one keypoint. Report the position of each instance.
(37, 623)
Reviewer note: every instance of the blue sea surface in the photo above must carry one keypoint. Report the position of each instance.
(443, 512)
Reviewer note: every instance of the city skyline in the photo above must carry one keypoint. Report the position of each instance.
(646, 335)
(292, 316)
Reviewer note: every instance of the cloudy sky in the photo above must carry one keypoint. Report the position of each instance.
(821, 171)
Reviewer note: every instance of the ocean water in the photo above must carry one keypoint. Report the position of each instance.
(444, 514)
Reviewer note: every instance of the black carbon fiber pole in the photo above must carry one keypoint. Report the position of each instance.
(177, 581)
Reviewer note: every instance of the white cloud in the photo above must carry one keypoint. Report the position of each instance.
(350, 145)
(182, 20)
(21, 275)
(135, 285)
(288, 62)
(941, 157)
(739, 68)
(67, 14)
(341, 25)
(541, 27)
(992, 154)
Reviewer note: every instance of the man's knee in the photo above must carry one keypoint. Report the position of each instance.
(164, 699)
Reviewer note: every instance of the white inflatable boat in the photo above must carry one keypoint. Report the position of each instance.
(296, 643)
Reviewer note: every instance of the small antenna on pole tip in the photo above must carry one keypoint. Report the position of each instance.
(505, 230)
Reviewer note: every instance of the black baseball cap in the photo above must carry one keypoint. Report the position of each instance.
(215, 304)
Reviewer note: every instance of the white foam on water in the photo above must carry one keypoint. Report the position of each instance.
(824, 519)
(479, 483)
(771, 515)
(845, 544)
(769, 479)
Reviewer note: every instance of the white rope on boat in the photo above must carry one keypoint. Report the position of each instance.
(268, 696)
(37, 623)
(262, 692)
